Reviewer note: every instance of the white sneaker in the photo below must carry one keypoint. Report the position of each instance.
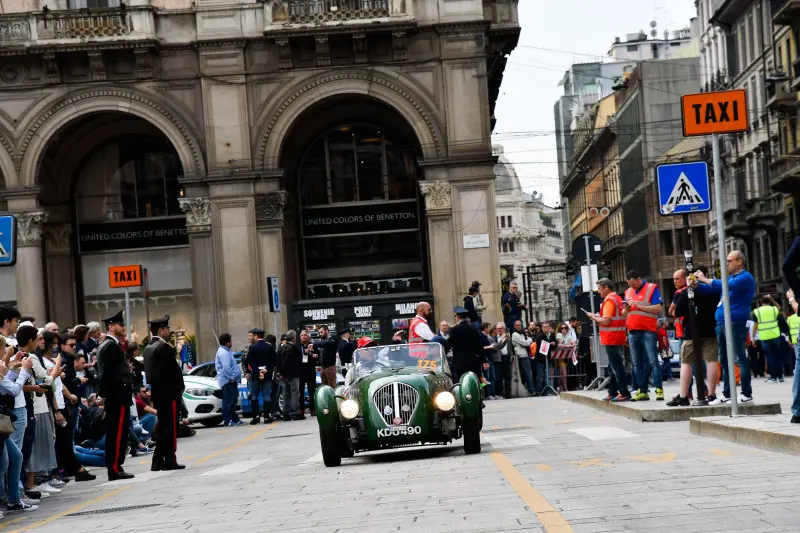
(56, 483)
(719, 401)
(30, 501)
(745, 399)
(45, 488)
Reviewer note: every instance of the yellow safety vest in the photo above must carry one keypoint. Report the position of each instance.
(767, 317)
(794, 327)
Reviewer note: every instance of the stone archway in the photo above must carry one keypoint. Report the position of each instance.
(75, 105)
(414, 108)
(8, 169)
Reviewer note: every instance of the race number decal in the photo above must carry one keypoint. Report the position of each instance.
(399, 430)
(429, 365)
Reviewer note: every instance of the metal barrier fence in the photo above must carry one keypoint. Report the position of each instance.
(565, 369)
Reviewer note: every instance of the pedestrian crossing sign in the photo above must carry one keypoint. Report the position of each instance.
(8, 240)
(683, 188)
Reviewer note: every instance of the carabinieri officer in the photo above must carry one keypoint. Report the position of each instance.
(116, 387)
(166, 382)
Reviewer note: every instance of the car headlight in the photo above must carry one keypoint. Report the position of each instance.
(445, 401)
(200, 392)
(349, 409)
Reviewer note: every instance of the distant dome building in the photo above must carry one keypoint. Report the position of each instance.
(528, 234)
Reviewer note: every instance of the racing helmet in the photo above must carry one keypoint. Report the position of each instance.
(365, 342)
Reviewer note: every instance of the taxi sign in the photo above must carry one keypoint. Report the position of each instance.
(717, 112)
(120, 277)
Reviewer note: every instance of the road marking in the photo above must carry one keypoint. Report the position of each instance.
(551, 519)
(11, 522)
(240, 443)
(604, 433)
(495, 428)
(543, 467)
(721, 453)
(567, 421)
(235, 468)
(654, 458)
(516, 440)
(140, 478)
(316, 458)
(71, 510)
(590, 462)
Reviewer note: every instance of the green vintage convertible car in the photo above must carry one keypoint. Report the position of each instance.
(398, 395)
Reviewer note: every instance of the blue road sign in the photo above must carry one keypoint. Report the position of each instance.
(274, 295)
(683, 188)
(8, 240)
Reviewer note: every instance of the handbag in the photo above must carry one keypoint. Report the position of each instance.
(7, 419)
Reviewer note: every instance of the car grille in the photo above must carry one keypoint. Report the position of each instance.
(396, 400)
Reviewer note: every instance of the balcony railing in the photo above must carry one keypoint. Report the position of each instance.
(780, 97)
(764, 209)
(785, 169)
(70, 26)
(785, 12)
(321, 12)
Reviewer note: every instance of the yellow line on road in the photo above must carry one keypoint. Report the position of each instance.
(11, 522)
(543, 467)
(551, 519)
(240, 443)
(71, 510)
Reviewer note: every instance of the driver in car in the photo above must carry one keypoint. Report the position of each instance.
(366, 360)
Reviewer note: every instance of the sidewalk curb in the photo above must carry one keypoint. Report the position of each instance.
(757, 438)
(667, 414)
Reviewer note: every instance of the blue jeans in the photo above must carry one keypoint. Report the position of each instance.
(774, 357)
(264, 390)
(525, 370)
(230, 397)
(618, 383)
(740, 358)
(19, 426)
(796, 382)
(541, 376)
(90, 456)
(644, 352)
(148, 423)
(11, 464)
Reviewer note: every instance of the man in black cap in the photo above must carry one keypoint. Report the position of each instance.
(465, 341)
(164, 376)
(261, 360)
(115, 384)
(346, 346)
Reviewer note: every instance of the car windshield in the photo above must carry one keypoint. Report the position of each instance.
(374, 359)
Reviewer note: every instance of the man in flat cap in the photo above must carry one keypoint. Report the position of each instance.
(115, 385)
(261, 360)
(164, 376)
(465, 341)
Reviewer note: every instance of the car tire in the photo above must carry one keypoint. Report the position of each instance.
(211, 422)
(329, 442)
(472, 435)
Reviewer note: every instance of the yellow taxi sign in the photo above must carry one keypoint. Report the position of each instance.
(120, 277)
(717, 112)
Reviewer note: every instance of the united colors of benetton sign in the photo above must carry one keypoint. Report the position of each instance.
(718, 112)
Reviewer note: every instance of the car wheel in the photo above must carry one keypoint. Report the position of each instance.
(472, 435)
(329, 441)
(211, 422)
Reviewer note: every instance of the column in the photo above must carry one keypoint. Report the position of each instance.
(29, 274)
(271, 256)
(198, 224)
(60, 269)
(439, 214)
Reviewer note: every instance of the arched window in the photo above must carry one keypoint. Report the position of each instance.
(130, 177)
(357, 163)
(360, 214)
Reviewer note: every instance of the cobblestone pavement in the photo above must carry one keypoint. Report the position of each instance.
(546, 465)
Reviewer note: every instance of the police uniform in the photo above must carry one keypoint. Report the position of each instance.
(468, 352)
(115, 385)
(166, 381)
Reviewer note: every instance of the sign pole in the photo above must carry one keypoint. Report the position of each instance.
(146, 281)
(723, 266)
(595, 350)
(128, 308)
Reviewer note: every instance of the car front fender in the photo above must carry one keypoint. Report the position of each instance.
(469, 396)
(327, 410)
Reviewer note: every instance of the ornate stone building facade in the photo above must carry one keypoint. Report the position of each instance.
(342, 146)
(529, 236)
